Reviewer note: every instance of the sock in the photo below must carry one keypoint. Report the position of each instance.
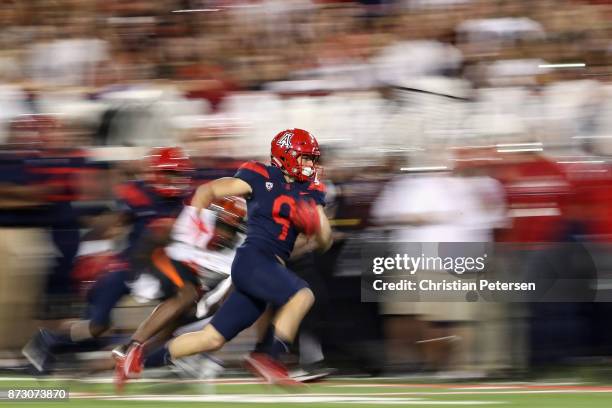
(278, 347)
(158, 358)
(272, 345)
(134, 343)
(266, 341)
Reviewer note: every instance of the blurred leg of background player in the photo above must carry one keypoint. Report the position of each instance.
(180, 288)
(102, 298)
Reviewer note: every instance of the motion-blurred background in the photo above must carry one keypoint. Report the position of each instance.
(440, 120)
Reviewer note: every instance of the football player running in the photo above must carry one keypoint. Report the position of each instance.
(148, 207)
(284, 199)
(196, 262)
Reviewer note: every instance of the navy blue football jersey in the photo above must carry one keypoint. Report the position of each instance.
(270, 204)
(142, 206)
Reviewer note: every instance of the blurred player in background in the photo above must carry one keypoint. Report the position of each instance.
(59, 168)
(148, 208)
(24, 213)
(196, 262)
(284, 199)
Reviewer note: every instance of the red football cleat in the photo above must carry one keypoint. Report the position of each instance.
(133, 361)
(272, 371)
(120, 378)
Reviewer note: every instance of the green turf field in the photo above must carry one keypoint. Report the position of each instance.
(331, 393)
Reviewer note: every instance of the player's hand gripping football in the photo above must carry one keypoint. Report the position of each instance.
(305, 217)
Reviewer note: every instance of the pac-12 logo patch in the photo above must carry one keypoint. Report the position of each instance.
(269, 185)
(285, 141)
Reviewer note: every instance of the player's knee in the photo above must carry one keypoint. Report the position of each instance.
(214, 339)
(306, 297)
(217, 343)
(188, 295)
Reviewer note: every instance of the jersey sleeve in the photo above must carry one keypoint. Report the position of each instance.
(253, 173)
(317, 191)
(131, 200)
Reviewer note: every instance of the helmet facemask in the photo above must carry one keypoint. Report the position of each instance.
(296, 152)
(307, 168)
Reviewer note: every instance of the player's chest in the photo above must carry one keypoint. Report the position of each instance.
(279, 198)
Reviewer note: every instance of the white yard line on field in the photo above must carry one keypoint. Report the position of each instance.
(276, 398)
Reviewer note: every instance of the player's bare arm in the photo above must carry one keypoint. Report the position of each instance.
(321, 241)
(303, 245)
(223, 187)
(16, 196)
(323, 237)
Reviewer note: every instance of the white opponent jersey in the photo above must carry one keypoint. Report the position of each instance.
(190, 236)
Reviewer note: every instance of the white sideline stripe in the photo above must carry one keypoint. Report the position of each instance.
(552, 384)
(494, 392)
(380, 398)
(526, 383)
(472, 387)
(516, 392)
(166, 381)
(510, 387)
(489, 387)
(31, 379)
(466, 391)
(363, 386)
(275, 398)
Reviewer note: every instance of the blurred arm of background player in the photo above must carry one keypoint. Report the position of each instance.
(15, 196)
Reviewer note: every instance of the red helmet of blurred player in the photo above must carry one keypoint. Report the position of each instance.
(231, 217)
(290, 148)
(169, 171)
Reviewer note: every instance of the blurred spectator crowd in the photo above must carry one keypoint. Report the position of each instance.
(440, 120)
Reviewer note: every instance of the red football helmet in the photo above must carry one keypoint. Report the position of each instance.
(231, 216)
(169, 171)
(290, 147)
